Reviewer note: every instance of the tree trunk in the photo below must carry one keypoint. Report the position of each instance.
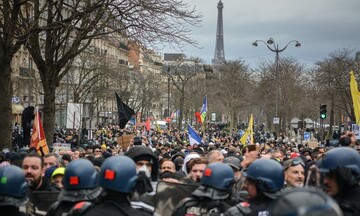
(49, 113)
(182, 100)
(232, 118)
(5, 102)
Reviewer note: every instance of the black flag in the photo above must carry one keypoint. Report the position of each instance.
(26, 118)
(125, 112)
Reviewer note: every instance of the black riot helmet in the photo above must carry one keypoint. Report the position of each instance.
(343, 163)
(268, 175)
(13, 186)
(80, 181)
(305, 202)
(218, 175)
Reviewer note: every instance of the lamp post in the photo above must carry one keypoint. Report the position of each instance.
(168, 97)
(274, 47)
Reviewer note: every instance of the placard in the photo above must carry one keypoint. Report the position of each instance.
(60, 147)
(124, 141)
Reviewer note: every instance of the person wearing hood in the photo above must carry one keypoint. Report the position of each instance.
(147, 167)
(195, 170)
(185, 168)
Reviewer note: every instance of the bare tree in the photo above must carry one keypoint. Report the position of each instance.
(290, 82)
(332, 78)
(16, 26)
(233, 87)
(70, 28)
(181, 73)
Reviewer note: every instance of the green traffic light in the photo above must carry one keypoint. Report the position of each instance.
(323, 116)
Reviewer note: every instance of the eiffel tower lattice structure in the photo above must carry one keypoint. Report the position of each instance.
(219, 46)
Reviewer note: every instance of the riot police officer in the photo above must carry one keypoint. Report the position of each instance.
(340, 168)
(264, 178)
(80, 184)
(13, 188)
(118, 178)
(304, 202)
(213, 196)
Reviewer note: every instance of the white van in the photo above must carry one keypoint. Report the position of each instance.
(162, 125)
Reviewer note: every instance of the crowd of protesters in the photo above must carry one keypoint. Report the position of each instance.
(219, 176)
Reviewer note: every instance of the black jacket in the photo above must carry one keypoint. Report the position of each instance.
(11, 210)
(59, 208)
(252, 208)
(349, 201)
(109, 205)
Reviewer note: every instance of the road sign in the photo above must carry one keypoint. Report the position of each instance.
(306, 135)
(276, 120)
(15, 99)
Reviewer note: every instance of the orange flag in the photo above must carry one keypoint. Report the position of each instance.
(38, 140)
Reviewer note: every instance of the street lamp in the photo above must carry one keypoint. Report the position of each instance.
(276, 50)
(168, 96)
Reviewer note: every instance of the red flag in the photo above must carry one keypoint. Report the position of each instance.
(198, 116)
(38, 140)
(147, 124)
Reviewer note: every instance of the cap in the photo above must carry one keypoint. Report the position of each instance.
(66, 157)
(294, 154)
(49, 171)
(232, 161)
(98, 161)
(58, 171)
(223, 151)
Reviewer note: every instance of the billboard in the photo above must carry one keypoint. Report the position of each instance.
(74, 115)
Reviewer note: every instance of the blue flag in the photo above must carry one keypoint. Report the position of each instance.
(193, 136)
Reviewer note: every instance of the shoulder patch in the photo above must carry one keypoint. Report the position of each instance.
(79, 205)
(79, 208)
(245, 204)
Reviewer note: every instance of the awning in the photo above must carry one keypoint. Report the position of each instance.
(17, 108)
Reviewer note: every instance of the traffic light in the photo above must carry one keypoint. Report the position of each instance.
(300, 124)
(323, 111)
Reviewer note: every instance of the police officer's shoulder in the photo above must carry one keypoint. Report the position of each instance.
(241, 209)
(53, 208)
(80, 208)
(182, 206)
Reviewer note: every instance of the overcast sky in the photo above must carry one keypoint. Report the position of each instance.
(321, 26)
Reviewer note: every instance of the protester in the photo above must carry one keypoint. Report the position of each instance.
(234, 163)
(196, 168)
(33, 168)
(147, 166)
(51, 159)
(215, 156)
(57, 177)
(294, 172)
(167, 165)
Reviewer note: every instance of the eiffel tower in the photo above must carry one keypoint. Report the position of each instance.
(219, 46)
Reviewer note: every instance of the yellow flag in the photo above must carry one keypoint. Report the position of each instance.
(157, 126)
(355, 94)
(248, 137)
